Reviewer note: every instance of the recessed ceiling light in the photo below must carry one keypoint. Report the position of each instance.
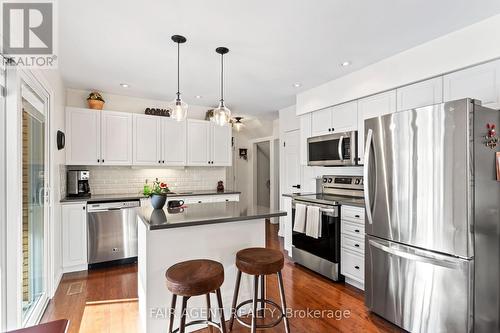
(297, 84)
(198, 96)
(345, 63)
(124, 85)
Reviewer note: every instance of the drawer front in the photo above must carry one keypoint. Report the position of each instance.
(356, 244)
(226, 198)
(353, 213)
(195, 200)
(352, 265)
(352, 228)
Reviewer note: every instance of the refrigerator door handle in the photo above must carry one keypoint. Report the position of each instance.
(341, 148)
(368, 206)
(422, 256)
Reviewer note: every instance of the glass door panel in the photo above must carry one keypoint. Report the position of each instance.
(33, 212)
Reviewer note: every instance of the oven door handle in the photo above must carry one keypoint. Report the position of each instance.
(341, 148)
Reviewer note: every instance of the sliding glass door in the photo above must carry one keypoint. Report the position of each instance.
(34, 210)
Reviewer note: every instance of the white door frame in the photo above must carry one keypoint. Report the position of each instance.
(3, 205)
(15, 78)
(274, 176)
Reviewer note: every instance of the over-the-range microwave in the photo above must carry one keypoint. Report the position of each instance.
(338, 149)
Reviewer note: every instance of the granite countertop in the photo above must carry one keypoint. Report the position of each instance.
(294, 194)
(204, 213)
(113, 197)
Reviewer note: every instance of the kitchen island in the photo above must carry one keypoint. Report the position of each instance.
(200, 231)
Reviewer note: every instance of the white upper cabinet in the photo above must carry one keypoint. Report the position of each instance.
(83, 136)
(305, 132)
(480, 82)
(146, 140)
(221, 145)
(370, 107)
(377, 105)
(173, 142)
(321, 122)
(336, 119)
(198, 142)
(116, 138)
(345, 117)
(420, 94)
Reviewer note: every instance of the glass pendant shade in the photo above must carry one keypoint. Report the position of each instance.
(222, 115)
(179, 109)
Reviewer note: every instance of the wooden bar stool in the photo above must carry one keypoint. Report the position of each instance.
(259, 262)
(195, 278)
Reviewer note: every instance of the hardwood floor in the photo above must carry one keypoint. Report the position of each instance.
(105, 300)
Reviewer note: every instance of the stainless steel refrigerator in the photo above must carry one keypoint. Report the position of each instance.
(432, 219)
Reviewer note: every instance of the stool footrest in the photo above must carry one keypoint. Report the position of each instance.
(199, 322)
(259, 326)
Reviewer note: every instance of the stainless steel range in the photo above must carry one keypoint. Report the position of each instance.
(322, 254)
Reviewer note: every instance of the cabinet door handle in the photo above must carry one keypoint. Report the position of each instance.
(333, 129)
(199, 202)
(356, 216)
(98, 160)
(329, 130)
(356, 230)
(356, 245)
(159, 162)
(83, 207)
(357, 267)
(163, 162)
(102, 161)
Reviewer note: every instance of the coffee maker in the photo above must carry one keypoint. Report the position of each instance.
(78, 183)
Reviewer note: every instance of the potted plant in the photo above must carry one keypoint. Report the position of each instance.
(95, 101)
(158, 193)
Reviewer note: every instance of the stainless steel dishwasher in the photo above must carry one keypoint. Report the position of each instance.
(112, 231)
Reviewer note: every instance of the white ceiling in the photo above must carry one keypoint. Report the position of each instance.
(273, 43)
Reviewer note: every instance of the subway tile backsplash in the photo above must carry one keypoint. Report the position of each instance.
(131, 180)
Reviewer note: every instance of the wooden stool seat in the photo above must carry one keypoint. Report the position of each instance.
(259, 261)
(195, 277)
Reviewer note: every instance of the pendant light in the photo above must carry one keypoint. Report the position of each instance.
(222, 114)
(179, 108)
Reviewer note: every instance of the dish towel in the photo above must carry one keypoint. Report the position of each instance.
(300, 218)
(313, 222)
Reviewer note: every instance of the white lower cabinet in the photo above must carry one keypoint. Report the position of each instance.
(74, 236)
(352, 242)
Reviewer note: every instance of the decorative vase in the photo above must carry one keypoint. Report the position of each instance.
(158, 201)
(95, 104)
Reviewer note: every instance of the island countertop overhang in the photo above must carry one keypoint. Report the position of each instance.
(203, 213)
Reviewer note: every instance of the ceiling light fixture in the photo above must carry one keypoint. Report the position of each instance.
(238, 125)
(221, 114)
(124, 85)
(198, 96)
(297, 84)
(179, 107)
(345, 63)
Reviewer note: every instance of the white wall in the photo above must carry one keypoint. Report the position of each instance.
(466, 47)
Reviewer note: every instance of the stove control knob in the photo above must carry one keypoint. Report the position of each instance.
(357, 181)
(329, 180)
(324, 180)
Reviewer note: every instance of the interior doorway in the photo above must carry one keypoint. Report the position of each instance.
(263, 173)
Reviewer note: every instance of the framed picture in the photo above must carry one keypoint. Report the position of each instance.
(498, 166)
